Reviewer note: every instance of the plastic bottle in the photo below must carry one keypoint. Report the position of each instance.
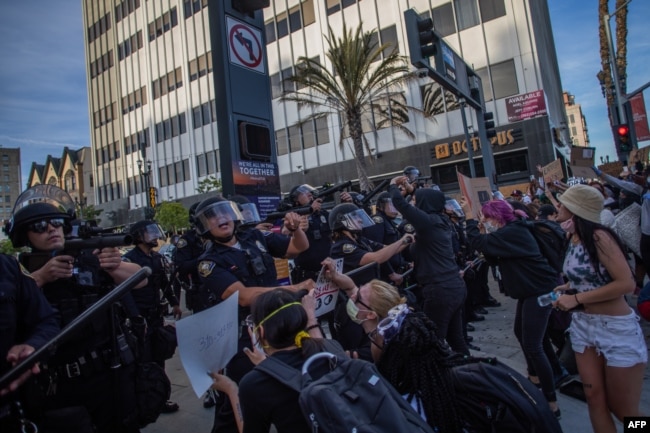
(547, 298)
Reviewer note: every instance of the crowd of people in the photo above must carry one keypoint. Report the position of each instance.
(414, 277)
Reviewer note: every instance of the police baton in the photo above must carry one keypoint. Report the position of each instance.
(80, 320)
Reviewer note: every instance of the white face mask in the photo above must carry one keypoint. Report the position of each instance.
(489, 227)
(353, 311)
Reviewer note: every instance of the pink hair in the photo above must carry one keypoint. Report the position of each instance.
(501, 211)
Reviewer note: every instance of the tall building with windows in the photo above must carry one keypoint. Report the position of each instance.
(151, 93)
(10, 182)
(577, 124)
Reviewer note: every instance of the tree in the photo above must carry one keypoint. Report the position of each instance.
(605, 74)
(88, 213)
(172, 216)
(6, 247)
(357, 87)
(210, 183)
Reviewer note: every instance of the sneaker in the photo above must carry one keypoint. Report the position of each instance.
(480, 310)
(491, 302)
(170, 407)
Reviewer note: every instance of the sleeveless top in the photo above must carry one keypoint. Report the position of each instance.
(580, 272)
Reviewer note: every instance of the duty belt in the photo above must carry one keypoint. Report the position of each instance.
(84, 365)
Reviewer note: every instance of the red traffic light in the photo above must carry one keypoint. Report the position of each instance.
(623, 130)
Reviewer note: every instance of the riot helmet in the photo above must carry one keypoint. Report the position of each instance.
(411, 172)
(347, 216)
(452, 207)
(147, 232)
(296, 192)
(213, 212)
(192, 213)
(248, 210)
(35, 209)
(385, 204)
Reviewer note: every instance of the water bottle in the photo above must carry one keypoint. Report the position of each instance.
(547, 298)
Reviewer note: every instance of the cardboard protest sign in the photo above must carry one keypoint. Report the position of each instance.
(552, 172)
(476, 190)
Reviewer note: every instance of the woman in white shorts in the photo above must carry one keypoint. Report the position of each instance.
(610, 348)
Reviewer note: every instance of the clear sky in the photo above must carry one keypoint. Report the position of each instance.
(43, 100)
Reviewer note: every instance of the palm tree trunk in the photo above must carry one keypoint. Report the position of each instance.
(605, 74)
(621, 45)
(356, 132)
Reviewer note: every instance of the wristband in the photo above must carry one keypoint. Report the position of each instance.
(575, 295)
(309, 328)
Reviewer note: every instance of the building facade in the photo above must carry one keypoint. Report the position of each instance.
(577, 124)
(10, 182)
(151, 94)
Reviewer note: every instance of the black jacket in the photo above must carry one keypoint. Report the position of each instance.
(433, 251)
(524, 271)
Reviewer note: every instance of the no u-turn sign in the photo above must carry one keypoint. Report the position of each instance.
(245, 45)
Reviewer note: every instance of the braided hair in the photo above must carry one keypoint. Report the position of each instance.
(417, 363)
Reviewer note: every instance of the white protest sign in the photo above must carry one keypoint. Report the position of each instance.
(325, 292)
(207, 341)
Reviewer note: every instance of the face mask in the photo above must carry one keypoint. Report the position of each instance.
(567, 226)
(352, 310)
(489, 227)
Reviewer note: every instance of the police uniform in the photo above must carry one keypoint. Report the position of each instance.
(25, 318)
(95, 368)
(147, 298)
(308, 263)
(188, 250)
(250, 262)
(385, 232)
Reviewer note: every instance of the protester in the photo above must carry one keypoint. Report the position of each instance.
(609, 345)
(503, 237)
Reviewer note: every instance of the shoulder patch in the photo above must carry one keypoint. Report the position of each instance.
(348, 248)
(25, 271)
(378, 219)
(181, 243)
(260, 246)
(408, 228)
(205, 267)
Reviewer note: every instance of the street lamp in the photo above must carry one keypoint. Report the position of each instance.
(145, 184)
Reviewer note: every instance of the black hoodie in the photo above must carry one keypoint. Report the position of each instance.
(433, 252)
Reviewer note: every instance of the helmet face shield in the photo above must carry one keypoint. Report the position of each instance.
(454, 208)
(357, 220)
(411, 172)
(250, 214)
(303, 190)
(152, 233)
(387, 207)
(218, 213)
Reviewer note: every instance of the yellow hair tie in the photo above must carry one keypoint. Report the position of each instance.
(299, 337)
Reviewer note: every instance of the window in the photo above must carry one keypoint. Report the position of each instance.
(504, 79)
(276, 86)
(134, 100)
(125, 8)
(389, 36)
(572, 118)
(104, 63)
(170, 128)
(466, 13)
(295, 140)
(287, 85)
(99, 27)
(443, 19)
(283, 27)
(295, 23)
(322, 131)
(5, 157)
(269, 30)
(491, 9)
(163, 24)
(129, 46)
(5, 167)
(162, 175)
(308, 15)
(191, 7)
(167, 83)
(333, 6)
(308, 134)
(200, 66)
(282, 145)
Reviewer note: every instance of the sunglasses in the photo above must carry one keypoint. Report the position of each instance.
(41, 226)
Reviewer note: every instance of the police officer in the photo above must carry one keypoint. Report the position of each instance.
(146, 235)
(188, 249)
(28, 322)
(91, 377)
(385, 230)
(308, 264)
(241, 261)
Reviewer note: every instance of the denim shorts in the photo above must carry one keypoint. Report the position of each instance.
(618, 338)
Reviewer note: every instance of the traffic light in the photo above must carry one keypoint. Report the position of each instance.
(248, 6)
(152, 196)
(489, 124)
(423, 42)
(622, 138)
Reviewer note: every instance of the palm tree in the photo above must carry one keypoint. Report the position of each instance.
(357, 87)
(605, 75)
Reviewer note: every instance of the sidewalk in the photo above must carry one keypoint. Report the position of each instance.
(493, 336)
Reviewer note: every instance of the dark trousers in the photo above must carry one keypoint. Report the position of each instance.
(443, 304)
(530, 329)
(239, 365)
(645, 253)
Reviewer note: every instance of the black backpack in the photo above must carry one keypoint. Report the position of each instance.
(351, 397)
(492, 397)
(552, 242)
